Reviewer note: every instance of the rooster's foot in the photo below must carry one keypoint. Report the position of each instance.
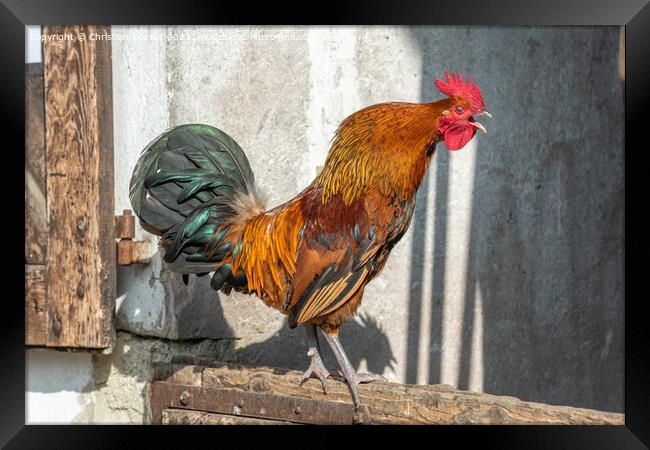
(347, 371)
(317, 369)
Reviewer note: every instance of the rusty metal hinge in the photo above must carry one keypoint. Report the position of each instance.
(130, 251)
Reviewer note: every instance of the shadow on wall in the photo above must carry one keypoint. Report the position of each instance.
(545, 246)
(362, 339)
(189, 312)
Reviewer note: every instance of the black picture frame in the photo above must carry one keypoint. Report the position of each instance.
(634, 14)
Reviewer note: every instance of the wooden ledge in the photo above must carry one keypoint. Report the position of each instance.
(191, 390)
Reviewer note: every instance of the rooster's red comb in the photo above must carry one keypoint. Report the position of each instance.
(456, 87)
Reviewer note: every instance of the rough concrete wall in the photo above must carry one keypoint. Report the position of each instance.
(510, 279)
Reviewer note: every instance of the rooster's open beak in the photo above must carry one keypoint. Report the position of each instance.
(478, 125)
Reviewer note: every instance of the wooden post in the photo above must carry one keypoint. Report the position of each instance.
(191, 390)
(80, 262)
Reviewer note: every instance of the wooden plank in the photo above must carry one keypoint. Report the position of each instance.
(80, 263)
(35, 197)
(182, 417)
(35, 318)
(387, 403)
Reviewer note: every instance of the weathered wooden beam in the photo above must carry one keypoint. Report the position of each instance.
(80, 263)
(205, 383)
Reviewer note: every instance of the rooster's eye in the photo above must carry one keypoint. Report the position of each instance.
(459, 109)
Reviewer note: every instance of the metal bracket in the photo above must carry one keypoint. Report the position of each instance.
(130, 251)
(163, 394)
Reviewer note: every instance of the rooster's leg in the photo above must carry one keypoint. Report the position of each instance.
(316, 367)
(353, 378)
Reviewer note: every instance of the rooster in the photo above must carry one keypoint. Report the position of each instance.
(311, 257)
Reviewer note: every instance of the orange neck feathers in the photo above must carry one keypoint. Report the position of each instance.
(386, 147)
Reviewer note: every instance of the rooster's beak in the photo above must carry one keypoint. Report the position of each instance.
(478, 125)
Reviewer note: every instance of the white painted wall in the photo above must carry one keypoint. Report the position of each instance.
(54, 386)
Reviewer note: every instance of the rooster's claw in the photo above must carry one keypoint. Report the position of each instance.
(359, 378)
(316, 368)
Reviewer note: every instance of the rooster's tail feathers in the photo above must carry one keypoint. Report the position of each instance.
(189, 184)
